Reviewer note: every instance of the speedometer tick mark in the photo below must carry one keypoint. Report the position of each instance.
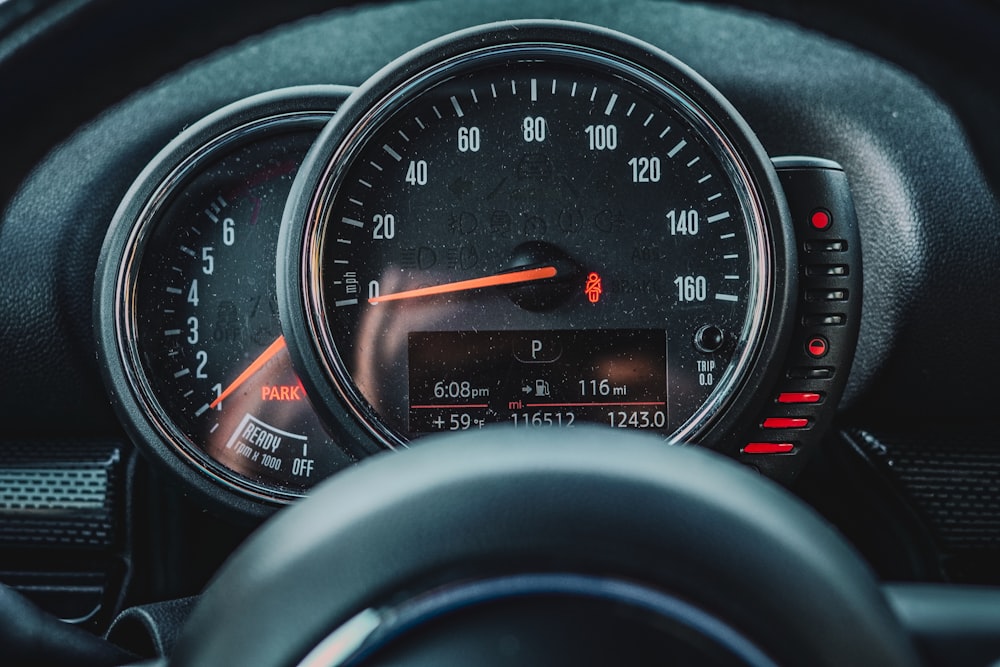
(553, 86)
(172, 332)
(196, 230)
(692, 162)
(437, 112)
(718, 216)
(202, 410)
(355, 201)
(352, 222)
(345, 302)
(457, 106)
(376, 165)
(649, 119)
(493, 89)
(593, 94)
(475, 98)
(213, 429)
(631, 108)
(731, 277)
(188, 393)
(396, 156)
(727, 297)
(726, 237)
(704, 178)
(182, 372)
(344, 241)
(173, 290)
(715, 196)
(513, 87)
(419, 122)
(572, 92)
(611, 104)
(364, 183)
(730, 257)
(403, 134)
(677, 148)
(187, 251)
(534, 90)
(664, 133)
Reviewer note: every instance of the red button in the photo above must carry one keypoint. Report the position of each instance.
(768, 448)
(785, 422)
(817, 347)
(799, 397)
(820, 219)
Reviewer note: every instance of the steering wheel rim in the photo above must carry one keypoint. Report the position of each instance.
(590, 500)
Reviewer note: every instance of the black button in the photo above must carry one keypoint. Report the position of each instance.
(823, 320)
(810, 373)
(826, 295)
(709, 339)
(826, 270)
(836, 245)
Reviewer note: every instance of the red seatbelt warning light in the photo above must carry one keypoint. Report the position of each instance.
(593, 289)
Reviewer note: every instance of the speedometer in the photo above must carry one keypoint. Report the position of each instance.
(534, 223)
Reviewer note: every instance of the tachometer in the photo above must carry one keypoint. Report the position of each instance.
(535, 223)
(193, 343)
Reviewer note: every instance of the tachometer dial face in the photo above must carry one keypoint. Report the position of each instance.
(535, 233)
(197, 314)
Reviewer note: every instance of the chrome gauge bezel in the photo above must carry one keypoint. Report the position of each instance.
(745, 162)
(235, 126)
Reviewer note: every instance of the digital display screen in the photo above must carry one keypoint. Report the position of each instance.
(461, 380)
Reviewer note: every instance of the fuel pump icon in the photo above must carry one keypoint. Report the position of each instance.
(542, 388)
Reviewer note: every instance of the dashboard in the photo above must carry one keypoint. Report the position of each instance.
(316, 236)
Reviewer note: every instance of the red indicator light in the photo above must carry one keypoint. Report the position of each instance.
(785, 422)
(820, 219)
(817, 347)
(768, 448)
(593, 288)
(799, 397)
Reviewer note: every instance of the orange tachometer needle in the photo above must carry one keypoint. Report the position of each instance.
(274, 348)
(510, 278)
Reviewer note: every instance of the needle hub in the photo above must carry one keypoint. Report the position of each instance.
(547, 294)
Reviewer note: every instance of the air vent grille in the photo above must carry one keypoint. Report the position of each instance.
(60, 494)
(34, 488)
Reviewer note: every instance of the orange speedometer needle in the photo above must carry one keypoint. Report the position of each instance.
(274, 348)
(509, 278)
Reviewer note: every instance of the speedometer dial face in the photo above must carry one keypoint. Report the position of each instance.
(191, 276)
(537, 233)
